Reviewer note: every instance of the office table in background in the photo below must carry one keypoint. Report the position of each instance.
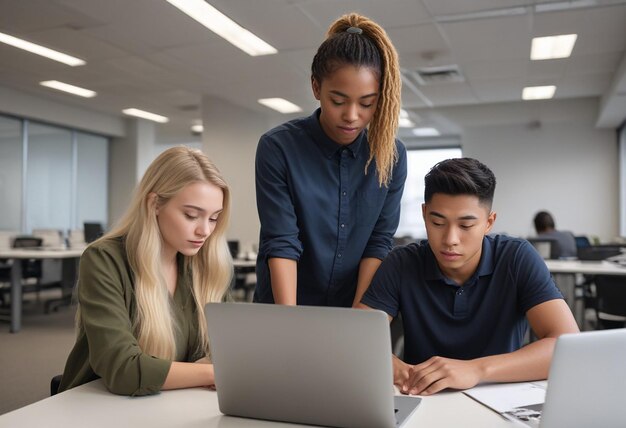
(92, 405)
(564, 272)
(69, 258)
(244, 264)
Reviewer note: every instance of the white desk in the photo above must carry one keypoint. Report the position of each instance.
(585, 267)
(91, 405)
(69, 268)
(244, 264)
(564, 272)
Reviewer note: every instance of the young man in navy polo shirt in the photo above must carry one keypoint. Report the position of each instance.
(466, 298)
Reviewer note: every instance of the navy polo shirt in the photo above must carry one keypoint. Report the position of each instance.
(317, 206)
(485, 316)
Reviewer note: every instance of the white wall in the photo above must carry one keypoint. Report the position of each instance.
(129, 158)
(546, 155)
(230, 137)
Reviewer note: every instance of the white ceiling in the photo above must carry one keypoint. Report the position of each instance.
(147, 54)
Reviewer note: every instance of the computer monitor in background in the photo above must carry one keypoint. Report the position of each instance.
(233, 246)
(582, 242)
(547, 248)
(598, 252)
(92, 231)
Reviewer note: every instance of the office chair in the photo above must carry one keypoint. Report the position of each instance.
(92, 231)
(233, 247)
(5, 281)
(5, 266)
(610, 301)
(31, 268)
(240, 274)
(55, 382)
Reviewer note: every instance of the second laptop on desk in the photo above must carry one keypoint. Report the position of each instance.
(586, 386)
(311, 365)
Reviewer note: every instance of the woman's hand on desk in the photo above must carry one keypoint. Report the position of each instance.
(205, 360)
(438, 373)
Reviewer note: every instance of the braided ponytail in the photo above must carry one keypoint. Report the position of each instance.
(370, 48)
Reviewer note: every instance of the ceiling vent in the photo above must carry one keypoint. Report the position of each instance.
(432, 75)
(189, 107)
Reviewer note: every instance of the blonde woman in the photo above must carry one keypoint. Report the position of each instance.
(143, 286)
(329, 185)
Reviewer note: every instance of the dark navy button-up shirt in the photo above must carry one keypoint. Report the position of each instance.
(485, 316)
(318, 207)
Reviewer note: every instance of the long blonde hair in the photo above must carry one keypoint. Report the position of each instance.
(369, 48)
(211, 268)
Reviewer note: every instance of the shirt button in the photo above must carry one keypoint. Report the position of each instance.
(338, 256)
(343, 225)
(343, 193)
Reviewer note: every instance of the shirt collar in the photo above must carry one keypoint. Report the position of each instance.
(485, 266)
(328, 146)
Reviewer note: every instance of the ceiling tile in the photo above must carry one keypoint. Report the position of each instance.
(389, 13)
(487, 39)
(453, 7)
(495, 69)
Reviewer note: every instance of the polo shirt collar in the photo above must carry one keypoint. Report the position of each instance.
(485, 266)
(328, 146)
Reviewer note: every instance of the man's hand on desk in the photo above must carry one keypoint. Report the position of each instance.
(401, 371)
(436, 374)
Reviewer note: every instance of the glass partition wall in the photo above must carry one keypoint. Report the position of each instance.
(11, 180)
(51, 177)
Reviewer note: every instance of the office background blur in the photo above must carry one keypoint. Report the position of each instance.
(65, 159)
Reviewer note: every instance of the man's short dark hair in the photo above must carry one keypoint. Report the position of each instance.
(543, 221)
(461, 176)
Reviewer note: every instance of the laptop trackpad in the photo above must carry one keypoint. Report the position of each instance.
(405, 406)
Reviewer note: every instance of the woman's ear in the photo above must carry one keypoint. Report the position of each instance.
(151, 201)
(317, 89)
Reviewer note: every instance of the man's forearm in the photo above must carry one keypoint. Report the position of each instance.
(532, 362)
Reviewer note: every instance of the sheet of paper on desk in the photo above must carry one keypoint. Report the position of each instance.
(507, 397)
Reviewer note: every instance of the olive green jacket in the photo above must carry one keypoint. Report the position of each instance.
(106, 346)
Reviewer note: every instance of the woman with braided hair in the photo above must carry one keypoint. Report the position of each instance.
(329, 185)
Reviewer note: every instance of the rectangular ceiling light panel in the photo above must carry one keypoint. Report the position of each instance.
(145, 115)
(41, 50)
(70, 89)
(552, 47)
(280, 104)
(538, 92)
(224, 27)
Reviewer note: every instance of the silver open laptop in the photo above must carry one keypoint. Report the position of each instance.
(587, 381)
(304, 364)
